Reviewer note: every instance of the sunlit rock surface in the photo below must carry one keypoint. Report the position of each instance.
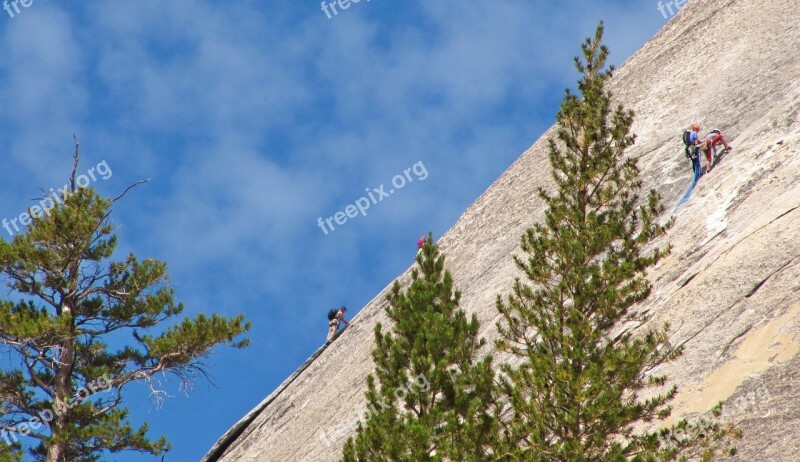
(730, 288)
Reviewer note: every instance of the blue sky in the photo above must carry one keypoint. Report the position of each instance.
(254, 119)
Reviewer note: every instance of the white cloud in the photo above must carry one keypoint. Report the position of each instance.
(256, 118)
(42, 92)
(275, 121)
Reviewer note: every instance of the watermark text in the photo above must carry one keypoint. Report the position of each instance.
(704, 423)
(330, 6)
(56, 197)
(665, 7)
(372, 198)
(12, 7)
(43, 418)
(329, 437)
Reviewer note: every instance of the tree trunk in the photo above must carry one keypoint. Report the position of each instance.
(55, 453)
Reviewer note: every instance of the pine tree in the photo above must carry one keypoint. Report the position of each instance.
(10, 452)
(429, 399)
(83, 327)
(582, 388)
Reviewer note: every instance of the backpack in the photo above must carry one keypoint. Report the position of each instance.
(690, 153)
(686, 137)
(332, 313)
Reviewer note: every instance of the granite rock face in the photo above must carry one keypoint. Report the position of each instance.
(730, 288)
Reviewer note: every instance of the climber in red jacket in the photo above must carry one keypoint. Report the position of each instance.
(713, 138)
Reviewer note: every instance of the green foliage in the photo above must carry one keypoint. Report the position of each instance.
(10, 452)
(68, 304)
(429, 399)
(582, 386)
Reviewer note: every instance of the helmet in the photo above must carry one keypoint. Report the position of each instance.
(696, 127)
(715, 130)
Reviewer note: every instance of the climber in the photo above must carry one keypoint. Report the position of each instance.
(335, 318)
(711, 140)
(691, 140)
(420, 244)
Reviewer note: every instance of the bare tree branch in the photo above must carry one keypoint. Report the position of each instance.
(74, 164)
(129, 188)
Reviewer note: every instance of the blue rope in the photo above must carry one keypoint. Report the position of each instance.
(697, 170)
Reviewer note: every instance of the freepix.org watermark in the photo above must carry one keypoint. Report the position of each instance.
(372, 198)
(664, 7)
(330, 437)
(43, 418)
(12, 7)
(702, 426)
(50, 201)
(330, 6)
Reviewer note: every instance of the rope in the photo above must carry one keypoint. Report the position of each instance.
(695, 177)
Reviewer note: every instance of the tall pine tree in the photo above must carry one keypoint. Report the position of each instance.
(582, 389)
(430, 399)
(82, 327)
(10, 452)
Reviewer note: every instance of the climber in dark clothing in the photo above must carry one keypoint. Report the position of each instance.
(691, 139)
(335, 318)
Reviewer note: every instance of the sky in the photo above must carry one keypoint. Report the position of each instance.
(256, 123)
